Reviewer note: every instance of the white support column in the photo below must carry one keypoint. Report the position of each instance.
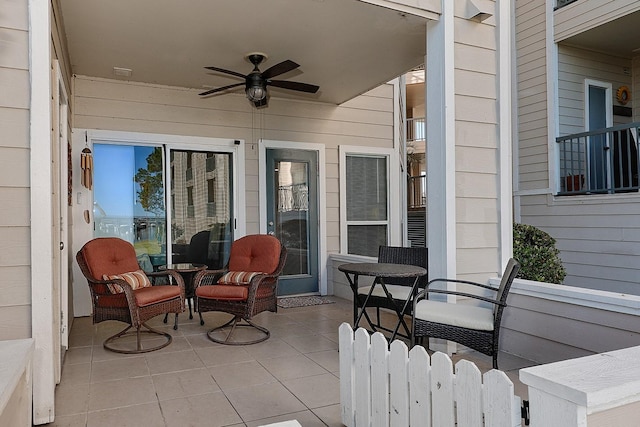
(42, 324)
(573, 393)
(441, 166)
(506, 65)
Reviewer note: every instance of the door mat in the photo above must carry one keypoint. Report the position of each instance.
(292, 302)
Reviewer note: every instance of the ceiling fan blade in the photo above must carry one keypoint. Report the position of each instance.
(220, 89)
(281, 68)
(222, 70)
(302, 87)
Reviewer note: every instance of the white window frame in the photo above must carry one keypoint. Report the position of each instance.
(394, 209)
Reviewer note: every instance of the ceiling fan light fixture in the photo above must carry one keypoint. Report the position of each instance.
(256, 93)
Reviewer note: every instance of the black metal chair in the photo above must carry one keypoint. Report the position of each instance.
(470, 325)
(401, 289)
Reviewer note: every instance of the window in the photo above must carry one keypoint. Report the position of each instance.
(366, 194)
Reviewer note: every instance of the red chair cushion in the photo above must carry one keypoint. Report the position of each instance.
(257, 252)
(144, 296)
(223, 292)
(109, 256)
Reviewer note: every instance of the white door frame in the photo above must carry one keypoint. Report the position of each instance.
(62, 96)
(265, 144)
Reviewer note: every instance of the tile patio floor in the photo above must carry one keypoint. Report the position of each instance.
(196, 382)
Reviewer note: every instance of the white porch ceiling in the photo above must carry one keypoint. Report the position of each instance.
(347, 47)
(619, 37)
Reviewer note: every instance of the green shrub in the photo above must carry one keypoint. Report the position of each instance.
(536, 251)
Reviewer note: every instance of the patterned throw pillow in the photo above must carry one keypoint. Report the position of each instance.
(137, 279)
(238, 277)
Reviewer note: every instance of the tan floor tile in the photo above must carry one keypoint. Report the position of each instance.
(329, 360)
(290, 367)
(241, 374)
(178, 343)
(315, 392)
(172, 362)
(72, 399)
(200, 340)
(79, 373)
(305, 418)
(119, 393)
(78, 420)
(271, 348)
(101, 354)
(330, 415)
(78, 355)
(293, 330)
(119, 368)
(185, 383)
(311, 343)
(264, 401)
(205, 410)
(269, 319)
(147, 415)
(81, 340)
(222, 355)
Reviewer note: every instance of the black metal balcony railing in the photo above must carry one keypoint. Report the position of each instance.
(417, 191)
(599, 162)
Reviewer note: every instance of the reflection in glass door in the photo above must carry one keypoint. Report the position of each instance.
(201, 207)
(129, 199)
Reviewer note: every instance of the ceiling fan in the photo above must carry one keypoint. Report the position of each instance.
(256, 81)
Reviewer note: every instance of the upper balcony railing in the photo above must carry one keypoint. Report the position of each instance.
(603, 161)
(563, 3)
(416, 129)
(417, 191)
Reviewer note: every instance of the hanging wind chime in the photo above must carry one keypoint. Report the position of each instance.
(86, 164)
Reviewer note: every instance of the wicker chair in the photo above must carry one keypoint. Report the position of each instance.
(473, 326)
(400, 289)
(111, 269)
(246, 287)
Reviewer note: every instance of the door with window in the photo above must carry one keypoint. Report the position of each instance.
(292, 215)
(598, 115)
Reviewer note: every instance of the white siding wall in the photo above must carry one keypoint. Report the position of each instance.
(366, 120)
(546, 328)
(531, 95)
(574, 66)
(476, 153)
(15, 285)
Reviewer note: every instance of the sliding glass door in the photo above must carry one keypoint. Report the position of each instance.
(130, 202)
(201, 207)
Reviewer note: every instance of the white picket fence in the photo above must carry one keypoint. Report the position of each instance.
(398, 388)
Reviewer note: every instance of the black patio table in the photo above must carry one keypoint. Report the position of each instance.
(187, 271)
(380, 271)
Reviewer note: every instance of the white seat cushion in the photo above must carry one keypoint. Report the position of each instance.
(464, 316)
(397, 291)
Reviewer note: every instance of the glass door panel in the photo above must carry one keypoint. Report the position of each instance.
(129, 199)
(201, 207)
